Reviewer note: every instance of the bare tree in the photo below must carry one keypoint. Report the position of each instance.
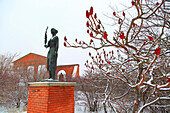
(26, 76)
(91, 87)
(139, 56)
(8, 81)
(14, 83)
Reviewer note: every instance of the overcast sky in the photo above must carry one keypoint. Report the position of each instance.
(23, 24)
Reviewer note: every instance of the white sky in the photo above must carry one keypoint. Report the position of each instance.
(23, 24)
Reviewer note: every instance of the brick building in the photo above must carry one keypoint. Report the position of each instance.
(36, 62)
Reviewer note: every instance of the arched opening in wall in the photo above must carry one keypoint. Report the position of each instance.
(42, 72)
(74, 72)
(30, 70)
(61, 76)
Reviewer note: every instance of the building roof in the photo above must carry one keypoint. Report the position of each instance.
(30, 57)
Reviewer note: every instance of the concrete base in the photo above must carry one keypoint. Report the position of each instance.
(51, 97)
(49, 80)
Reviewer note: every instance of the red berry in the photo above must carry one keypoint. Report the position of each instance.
(104, 52)
(95, 16)
(157, 3)
(134, 24)
(114, 13)
(99, 22)
(123, 70)
(87, 14)
(112, 52)
(89, 54)
(92, 68)
(87, 61)
(158, 51)
(133, 3)
(119, 21)
(87, 23)
(91, 11)
(98, 26)
(91, 34)
(105, 35)
(109, 62)
(123, 13)
(87, 31)
(92, 57)
(102, 61)
(122, 35)
(168, 79)
(65, 39)
(91, 41)
(65, 44)
(150, 38)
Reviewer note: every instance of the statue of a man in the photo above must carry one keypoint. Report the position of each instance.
(52, 55)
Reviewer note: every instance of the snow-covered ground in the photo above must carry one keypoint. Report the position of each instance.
(4, 110)
(78, 109)
(81, 109)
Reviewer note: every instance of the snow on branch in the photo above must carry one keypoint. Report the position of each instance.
(152, 102)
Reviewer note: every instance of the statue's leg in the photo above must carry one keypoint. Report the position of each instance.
(47, 63)
(48, 60)
(53, 65)
(53, 68)
(50, 74)
(53, 75)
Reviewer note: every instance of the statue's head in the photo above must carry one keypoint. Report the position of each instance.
(54, 31)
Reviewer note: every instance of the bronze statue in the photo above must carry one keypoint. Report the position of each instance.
(52, 55)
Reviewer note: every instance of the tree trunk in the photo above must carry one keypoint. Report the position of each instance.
(104, 105)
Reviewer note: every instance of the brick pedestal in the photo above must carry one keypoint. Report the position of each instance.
(51, 97)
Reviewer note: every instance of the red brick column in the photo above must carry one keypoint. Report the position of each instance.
(51, 97)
